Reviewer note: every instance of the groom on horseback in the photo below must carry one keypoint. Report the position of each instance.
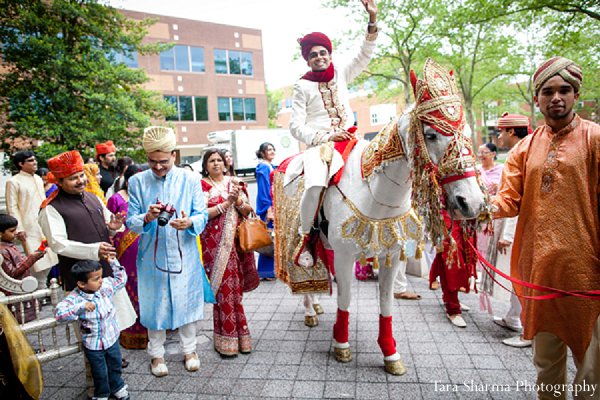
(323, 120)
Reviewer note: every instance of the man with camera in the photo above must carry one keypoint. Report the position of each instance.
(167, 210)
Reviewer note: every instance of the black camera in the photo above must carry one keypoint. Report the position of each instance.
(166, 213)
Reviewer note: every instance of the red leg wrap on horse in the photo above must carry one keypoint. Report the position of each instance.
(340, 328)
(386, 340)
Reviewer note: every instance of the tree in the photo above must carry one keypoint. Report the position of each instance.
(62, 84)
(406, 38)
(274, 98)
(487, 10)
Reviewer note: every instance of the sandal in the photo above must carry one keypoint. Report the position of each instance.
(160, 369)
(192, 363)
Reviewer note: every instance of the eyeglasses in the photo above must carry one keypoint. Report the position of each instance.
(30, 160)
(321, 53)
(163, 163)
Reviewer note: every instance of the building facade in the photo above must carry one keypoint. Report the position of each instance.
(213, 75)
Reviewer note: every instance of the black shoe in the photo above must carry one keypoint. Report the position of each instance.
(124, 363)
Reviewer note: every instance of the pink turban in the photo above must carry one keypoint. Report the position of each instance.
(510, 121)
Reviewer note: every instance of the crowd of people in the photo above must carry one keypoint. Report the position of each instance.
(140, 248)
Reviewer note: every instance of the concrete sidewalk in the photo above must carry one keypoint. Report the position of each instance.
(292, 361)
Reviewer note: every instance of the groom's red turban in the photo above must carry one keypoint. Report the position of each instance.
(314, 39)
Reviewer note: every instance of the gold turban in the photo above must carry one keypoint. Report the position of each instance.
(159, 138)
(564, 67)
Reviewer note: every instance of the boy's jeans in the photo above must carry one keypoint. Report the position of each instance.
(106, 370)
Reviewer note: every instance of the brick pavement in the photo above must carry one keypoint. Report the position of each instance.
(292, 361)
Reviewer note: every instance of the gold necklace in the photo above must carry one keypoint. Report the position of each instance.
(219, 187)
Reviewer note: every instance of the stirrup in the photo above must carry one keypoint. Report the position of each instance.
(305, 259)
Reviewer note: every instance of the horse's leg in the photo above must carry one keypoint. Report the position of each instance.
(316, 303)
(386, 341)
(343, 270)
(310, 316)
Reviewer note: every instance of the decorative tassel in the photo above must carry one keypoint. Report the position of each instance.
(402, 254)
(363, 260)
(376, 262)
(419, 251)
(388, 260)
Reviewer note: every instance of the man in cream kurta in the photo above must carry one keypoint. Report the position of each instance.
(551, 180)
(321, 114)
(24, 195)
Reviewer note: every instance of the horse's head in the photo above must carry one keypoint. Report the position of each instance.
(442, 159)
(455, 166)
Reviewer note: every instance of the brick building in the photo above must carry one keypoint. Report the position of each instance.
(214, 76)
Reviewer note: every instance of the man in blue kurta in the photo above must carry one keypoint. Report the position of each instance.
(170, 273)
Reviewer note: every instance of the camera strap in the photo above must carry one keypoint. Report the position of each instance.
(168, 271)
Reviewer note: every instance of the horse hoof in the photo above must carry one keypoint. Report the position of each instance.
(343, 355)
(318, 309)
(395, 367)
(311, 321)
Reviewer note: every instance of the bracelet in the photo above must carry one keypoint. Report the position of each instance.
(372, 23)
(241, 206)
(220, 209)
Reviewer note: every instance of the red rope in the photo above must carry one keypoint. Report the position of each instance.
(556, 293)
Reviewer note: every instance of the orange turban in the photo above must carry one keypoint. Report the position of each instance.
(105, 148)
(65, 164)
(50, 178)
(314, 39)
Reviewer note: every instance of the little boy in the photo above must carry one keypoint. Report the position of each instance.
(14, 264)
(91, 303)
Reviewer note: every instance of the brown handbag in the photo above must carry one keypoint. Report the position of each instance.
(253, 233)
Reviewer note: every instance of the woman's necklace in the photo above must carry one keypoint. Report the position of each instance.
(221, 187)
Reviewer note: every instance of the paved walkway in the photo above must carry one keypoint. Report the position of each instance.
(292, 361)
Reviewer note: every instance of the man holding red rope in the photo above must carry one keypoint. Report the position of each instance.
(551, 181)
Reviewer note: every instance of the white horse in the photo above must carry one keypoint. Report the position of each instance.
(370, 210)
(384, 198)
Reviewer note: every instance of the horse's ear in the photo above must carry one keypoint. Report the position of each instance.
(413, 82)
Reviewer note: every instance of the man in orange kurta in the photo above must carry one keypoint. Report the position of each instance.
(551, 181)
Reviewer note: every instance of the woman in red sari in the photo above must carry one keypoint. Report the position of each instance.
(230, 270)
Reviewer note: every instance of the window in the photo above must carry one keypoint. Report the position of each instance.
(188, 108)
(250, 109)
(197, 57)
(247, 63)
(186, 112)
(182, 58)
(201, 108)
(233, 62)
(220, 61)
(173, 101)
(236, 109)
(130, 60)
